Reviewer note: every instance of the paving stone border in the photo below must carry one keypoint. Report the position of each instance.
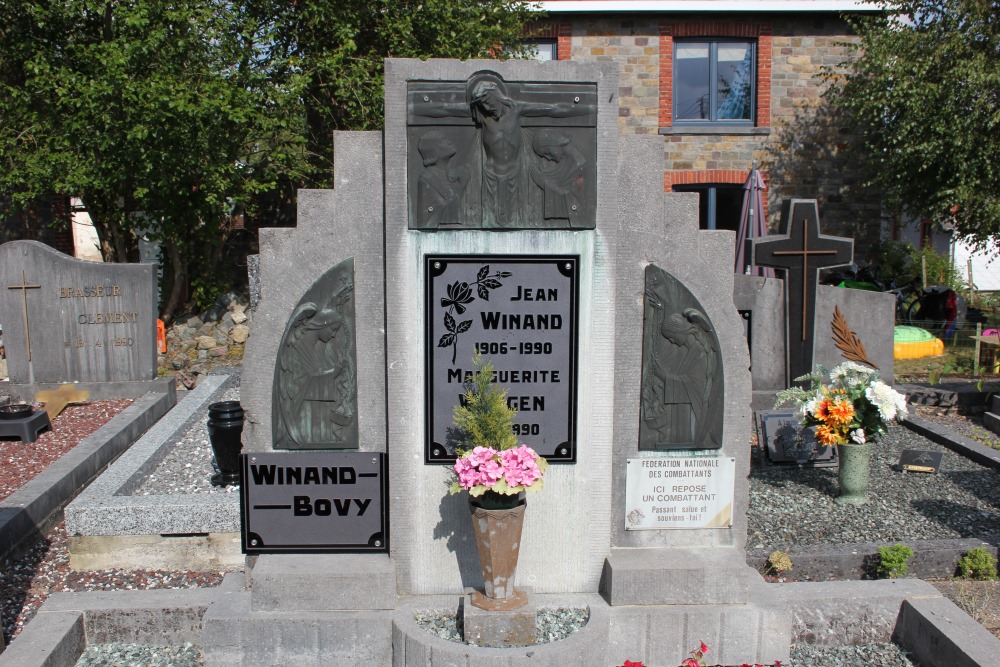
(909, 611)
(27, 511)
(110, 527)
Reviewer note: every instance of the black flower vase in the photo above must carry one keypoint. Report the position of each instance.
(225, 431)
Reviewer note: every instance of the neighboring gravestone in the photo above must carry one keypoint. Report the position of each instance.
(66, 320)
(764, 300)
(868, 317)
(801, 253)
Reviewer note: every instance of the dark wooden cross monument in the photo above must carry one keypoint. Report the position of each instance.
(801, 253)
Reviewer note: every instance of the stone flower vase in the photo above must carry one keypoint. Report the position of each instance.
(853, 473)
(225, 431)
(498, 538)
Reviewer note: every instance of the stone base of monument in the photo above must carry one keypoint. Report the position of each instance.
(111, 528)
(322, 582)
(689, 575)
(498, 628)
(831, 613)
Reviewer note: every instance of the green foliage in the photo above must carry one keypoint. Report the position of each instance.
(170, 119)
(894, 261)
(893, 561)
(331, 54)
(923, 90)
(779, 562)
(978, 563)
(485, 419)
(940, 270)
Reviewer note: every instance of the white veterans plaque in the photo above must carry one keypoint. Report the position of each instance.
(679, 492)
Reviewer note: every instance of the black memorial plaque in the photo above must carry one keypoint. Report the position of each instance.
(520, 313)
(314, 502)
(786, 442)
(918, 460)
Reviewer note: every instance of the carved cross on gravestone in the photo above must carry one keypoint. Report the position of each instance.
(24, 287)
(801, 254)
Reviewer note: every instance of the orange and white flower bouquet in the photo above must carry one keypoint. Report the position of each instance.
(854, 407)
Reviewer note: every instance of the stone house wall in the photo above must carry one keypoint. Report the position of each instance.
(797, 141)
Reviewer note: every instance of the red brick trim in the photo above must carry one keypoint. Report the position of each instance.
(760, 31)
(666, 74)
(564, 45)
(736, 176)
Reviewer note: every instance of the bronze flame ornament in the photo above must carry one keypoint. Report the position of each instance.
(498, 538)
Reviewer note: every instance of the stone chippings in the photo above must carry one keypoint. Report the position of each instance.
(793, 507)
(551, 623)
(116, 653)
(190, 464)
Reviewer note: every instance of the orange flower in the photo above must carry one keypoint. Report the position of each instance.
(841, 412)
(827, 435)
(822, 410)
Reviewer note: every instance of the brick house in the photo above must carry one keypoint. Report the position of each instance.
(766, 57)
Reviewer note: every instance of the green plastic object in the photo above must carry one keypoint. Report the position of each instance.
(905, 334)
(859, 284)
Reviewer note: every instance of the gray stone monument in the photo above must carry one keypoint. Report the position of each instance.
(659, 541)
(66, 320)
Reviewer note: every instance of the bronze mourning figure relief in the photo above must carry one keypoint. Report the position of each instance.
(682, 392)
(315, 378)
(491, 154)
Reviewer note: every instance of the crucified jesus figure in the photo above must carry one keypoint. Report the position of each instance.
(505, 163)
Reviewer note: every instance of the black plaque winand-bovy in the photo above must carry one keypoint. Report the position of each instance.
(520, 313)
(314, 502)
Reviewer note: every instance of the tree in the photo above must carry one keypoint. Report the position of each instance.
(146, 107)
(168, 118)
(332, 53)
(924, 97)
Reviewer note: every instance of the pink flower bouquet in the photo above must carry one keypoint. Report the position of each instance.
(505, 472)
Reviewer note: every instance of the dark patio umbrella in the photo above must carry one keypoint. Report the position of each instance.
(752, 224)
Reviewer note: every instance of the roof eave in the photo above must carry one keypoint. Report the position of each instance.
(706, 6)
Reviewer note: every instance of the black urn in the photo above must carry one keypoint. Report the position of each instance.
(225, 430)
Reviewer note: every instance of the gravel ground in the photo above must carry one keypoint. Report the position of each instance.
(553, 624)
(27, 582)
(789, 506)
(22, 461)
(129, 655)
(189, 465)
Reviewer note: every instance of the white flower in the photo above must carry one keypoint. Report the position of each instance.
(886, 399)
(808, 408)
(849, 370)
